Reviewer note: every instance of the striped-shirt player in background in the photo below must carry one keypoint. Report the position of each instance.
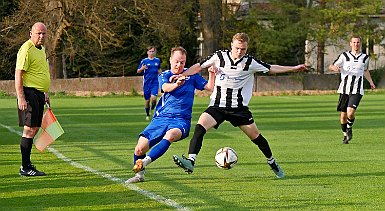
(150, 68)
(229, 101)
(353, 66)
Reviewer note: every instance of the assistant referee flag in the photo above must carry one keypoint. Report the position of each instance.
(49, 131)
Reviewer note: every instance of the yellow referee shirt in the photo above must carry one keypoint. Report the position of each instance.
(34, 62)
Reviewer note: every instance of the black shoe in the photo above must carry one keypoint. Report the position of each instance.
(184, 163)
(30, 171)
(345, 141)
(349, 134)
(276, 169)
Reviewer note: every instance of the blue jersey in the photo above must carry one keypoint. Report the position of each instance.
(150, 75)
(178, 103)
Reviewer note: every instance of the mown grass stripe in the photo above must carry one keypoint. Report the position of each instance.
(132, 187)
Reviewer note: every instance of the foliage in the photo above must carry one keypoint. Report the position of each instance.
(331, 20)
(108, 38)
(7, 8)
(101, 38)
(3, 93)
(276, 36)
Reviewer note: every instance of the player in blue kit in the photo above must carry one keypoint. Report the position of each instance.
(150, 68)
(172, 119)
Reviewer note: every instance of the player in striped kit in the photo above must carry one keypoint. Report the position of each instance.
(229, 101)
(353, 66)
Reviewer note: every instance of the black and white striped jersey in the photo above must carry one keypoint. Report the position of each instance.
(352, 69)
(234, 80)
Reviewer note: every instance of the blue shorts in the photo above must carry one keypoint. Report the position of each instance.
(158, 127)
(150, 89)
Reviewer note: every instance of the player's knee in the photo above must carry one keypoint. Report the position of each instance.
(173, 135)
(142, 147)
(350, 113)
(30, 132)
(255, 135)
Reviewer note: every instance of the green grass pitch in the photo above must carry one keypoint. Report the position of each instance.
(101, 133)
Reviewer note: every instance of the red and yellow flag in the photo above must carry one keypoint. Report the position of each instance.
(49, 131)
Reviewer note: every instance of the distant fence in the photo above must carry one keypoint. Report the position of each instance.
(294, 82)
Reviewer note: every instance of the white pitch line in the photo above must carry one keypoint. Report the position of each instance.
(11, 129)
(130, 186)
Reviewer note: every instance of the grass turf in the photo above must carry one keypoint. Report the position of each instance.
(303, 132)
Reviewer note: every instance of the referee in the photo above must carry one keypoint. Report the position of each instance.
(353, 66)
(32, 81)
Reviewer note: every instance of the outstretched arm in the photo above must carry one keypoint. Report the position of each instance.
(192, 70)
(277, 69)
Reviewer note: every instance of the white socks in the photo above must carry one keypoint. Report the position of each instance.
(147, 160)
(192, 157)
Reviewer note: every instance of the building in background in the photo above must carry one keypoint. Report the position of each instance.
(377, 51)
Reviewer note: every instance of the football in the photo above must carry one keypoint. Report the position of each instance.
(226, 158)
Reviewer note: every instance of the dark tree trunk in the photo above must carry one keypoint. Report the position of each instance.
(320, 57)
(211, 25)
(56, 24)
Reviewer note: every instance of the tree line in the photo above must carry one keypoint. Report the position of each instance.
(108, 38)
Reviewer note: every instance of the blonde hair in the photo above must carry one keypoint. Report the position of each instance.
(179, 48)
(242, 37)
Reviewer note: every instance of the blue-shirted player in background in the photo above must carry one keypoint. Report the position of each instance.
(172, 119)
(150, 68)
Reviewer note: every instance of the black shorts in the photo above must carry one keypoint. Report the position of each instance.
(236, 116)
(33, 116)
(346, 101)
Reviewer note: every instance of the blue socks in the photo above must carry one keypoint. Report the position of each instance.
(136, 157)
(159, 149)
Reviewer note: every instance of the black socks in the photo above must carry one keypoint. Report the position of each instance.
(25, 148)
(344, 127)
(350, 123)
(197, 139)
(263, 145)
